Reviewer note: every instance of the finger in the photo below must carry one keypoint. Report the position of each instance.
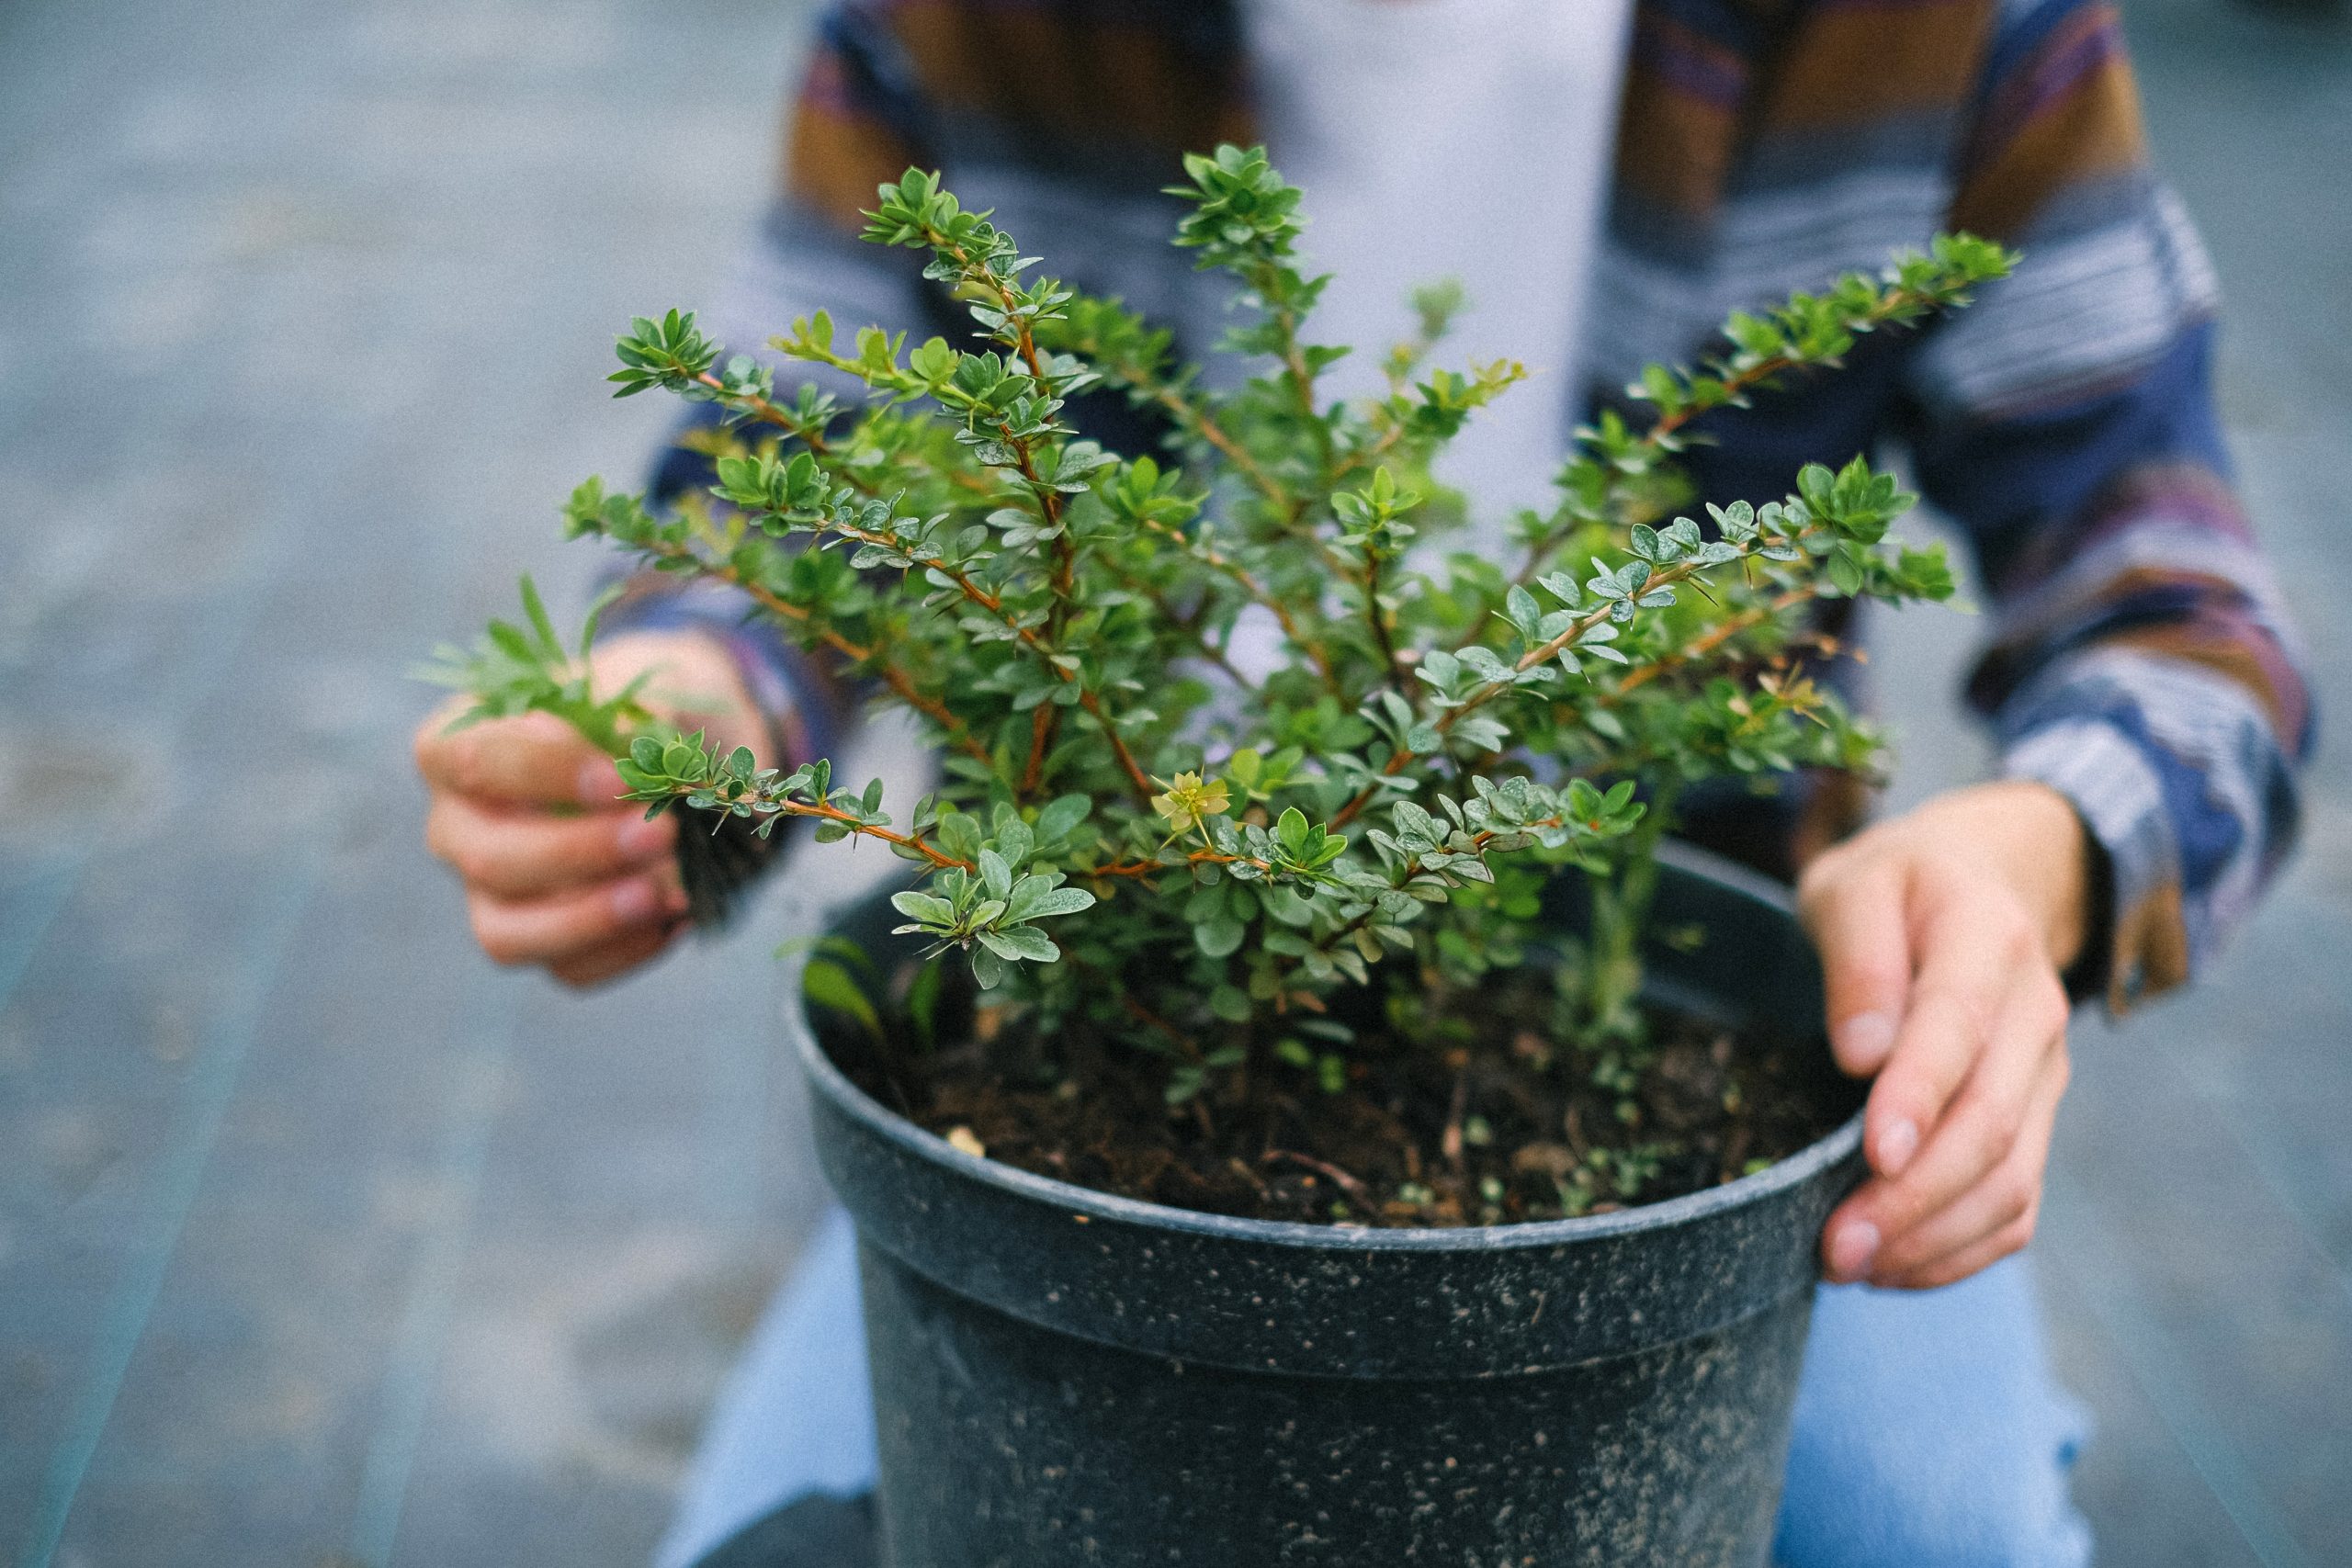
(567, 925)
(1985, 979)
(1955, 1266)
(523, 854)
(534, 758)
(1949, 1040)
(1973, 1130)
(617, 957)
(2009, 1192)
(1854, 913)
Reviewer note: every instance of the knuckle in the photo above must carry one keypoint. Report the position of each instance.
(438, 835)
(1987, 1140)
(494, 937)
(2017, 1195)
(474, 860)
(2018, 933)
(464, 767)
(1978, 1025)
(1826, 878)
(477, 864)
(2050, 1012)
(1961, 1015)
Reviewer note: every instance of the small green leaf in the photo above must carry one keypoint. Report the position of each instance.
(1220, 938)
(827, 983)
(1020, 942)
(931, 911)
(995, 874)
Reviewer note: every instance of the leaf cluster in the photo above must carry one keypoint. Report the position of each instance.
(1143, 818)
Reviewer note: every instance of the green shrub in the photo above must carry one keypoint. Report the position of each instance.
(1133, 828)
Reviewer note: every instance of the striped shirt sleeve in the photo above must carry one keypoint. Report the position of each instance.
(857, 120)
(1064, 118)
(2141, 662)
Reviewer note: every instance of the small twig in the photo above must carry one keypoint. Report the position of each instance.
(900, 683)
(1451, 1144)
(1041, 734)
(1346, 1183)
(1383, 643)
(1478, 698)
(1259, 595)
(1572, 1128)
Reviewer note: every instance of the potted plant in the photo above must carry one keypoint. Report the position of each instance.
(1302, 1106)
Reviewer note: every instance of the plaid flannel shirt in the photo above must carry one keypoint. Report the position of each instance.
(2140, 660)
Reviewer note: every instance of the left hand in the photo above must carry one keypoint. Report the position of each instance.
(1942, 934)
(557, 871)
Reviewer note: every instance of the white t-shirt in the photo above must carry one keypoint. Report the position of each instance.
(1468, 139)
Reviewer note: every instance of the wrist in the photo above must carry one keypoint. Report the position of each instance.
(693, 680)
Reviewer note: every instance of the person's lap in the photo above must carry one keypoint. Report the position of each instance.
(1929, 1432)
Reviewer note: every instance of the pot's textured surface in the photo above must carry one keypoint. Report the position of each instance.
(1066, 1377)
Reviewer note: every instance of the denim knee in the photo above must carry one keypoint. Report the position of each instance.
(1929, 1433)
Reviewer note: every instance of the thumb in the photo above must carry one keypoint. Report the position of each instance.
(1855, 915)
(533, 759)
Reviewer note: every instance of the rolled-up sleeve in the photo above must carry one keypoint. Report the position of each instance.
(2142, 661)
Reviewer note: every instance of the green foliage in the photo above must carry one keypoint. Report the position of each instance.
(527, 669)
(1133, 825)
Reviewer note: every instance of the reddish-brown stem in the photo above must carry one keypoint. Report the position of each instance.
(939, 858)
(1897, 302)
(1258, 593)
(1137, 777)
(1534, 656)
(901, 684)
(1734, 386)
(761, 409)
(1324, 1169)
(1190, 626)
(1041, 735)
(1215, 435)
(1142, 1014)
(1714, 638)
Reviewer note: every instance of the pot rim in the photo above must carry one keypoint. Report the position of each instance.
(1086, 1203)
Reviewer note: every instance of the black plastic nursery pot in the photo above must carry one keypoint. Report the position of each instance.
(1065, 1377)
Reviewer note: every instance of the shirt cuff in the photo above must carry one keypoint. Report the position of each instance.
(803, 712)
(2135, 936)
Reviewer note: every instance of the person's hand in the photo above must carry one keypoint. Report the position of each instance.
(1942, 934)
(558, 870)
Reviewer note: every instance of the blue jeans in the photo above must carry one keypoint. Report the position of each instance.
(1929, 1433)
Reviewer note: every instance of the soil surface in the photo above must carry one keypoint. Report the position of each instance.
(1502, 1127)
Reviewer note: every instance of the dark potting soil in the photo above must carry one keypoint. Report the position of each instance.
(1501, 1126)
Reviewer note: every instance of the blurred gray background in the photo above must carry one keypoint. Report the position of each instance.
(323, 1242)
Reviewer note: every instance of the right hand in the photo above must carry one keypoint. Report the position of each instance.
(558, 870)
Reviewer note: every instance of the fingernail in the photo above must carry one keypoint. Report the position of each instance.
(599, 783)
(1864, 1041)
(642, 837)
(635, 901)
(1852, 1249)
(1895, 1147)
